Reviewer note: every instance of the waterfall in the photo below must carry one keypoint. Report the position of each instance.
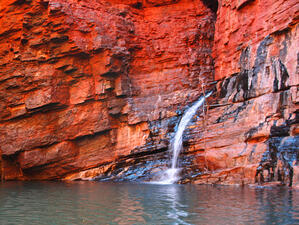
(171, 175)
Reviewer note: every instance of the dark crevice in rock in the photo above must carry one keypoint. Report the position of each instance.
(40, 110)
(46, 108)
(144, 153)
(6, 34)
(243, 3)
(137, 5)
(20, 2)
(45, 4)
(90, 136)
(10, 162)
(212, 4)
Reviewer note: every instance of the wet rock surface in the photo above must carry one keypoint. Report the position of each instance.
(96, 89)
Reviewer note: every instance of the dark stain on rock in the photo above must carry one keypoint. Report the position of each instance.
(294, 120)
(278, 160)
(241, 84)
(283, 102)
(245, 59)
(135, 169)
(237, 82)
(283, 52)
(250, 133)
(261, 55)
(279, 131)
(281, 76)
(284, 75)
(223, 89)
(234, 113)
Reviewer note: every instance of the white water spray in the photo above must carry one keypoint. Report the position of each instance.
(171, 175)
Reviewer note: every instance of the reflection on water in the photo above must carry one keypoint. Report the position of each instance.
(106, 203)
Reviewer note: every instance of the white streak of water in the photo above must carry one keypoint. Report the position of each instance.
(171, 175)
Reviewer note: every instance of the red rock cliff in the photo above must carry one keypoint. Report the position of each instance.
(251, 132)
(88, 83)
(95, 88)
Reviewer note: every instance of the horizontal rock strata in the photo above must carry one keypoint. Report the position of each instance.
(86, 84)
(95, 89)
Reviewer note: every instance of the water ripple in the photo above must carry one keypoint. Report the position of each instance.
(46, 203)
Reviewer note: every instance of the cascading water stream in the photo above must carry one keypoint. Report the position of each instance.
(171, 175)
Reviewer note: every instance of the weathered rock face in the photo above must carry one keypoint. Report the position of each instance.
(96, 89)
(251, 129)
(88, 84)
(243, 24)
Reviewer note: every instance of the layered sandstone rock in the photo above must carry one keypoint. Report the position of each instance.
(251, 132)
(95, 89)
(87, 84)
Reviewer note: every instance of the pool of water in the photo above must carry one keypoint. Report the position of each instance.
(111, 203)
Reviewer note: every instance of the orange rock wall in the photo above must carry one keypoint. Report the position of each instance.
(81, 81)
(251, 128)
(243, 23)
(95, 89)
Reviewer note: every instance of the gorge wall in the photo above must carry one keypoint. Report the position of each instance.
(95, 89)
